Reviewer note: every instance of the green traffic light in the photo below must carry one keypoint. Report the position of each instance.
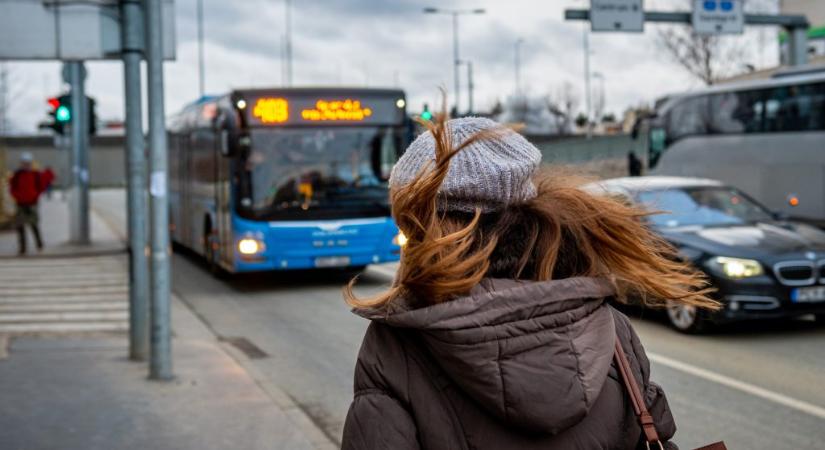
(63, 114)
(426, 115)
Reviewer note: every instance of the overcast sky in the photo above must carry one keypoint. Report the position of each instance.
(377, 43)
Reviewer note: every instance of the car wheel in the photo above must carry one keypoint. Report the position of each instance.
(686, 318)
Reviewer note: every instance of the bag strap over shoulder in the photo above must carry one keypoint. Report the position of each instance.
(643, 416)
(639, 408)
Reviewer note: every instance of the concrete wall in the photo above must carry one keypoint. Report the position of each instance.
(107, 164)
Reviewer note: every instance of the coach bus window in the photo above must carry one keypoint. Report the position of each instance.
(688, 117)
(795, 108)
(736, 112)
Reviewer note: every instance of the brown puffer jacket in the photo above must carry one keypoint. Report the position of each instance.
(514, 365)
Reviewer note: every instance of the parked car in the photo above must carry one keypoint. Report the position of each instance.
(762, 265)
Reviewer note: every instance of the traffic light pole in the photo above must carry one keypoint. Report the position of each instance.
(160, 363)
(75, 75)
(131, 12)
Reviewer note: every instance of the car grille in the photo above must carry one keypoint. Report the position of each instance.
(799, 273)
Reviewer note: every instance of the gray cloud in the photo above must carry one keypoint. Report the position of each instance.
(376, 42)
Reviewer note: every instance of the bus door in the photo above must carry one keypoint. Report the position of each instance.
(187, 143)
(223, 199)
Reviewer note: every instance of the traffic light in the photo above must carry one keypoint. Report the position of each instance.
(61, 113)
(426, 114)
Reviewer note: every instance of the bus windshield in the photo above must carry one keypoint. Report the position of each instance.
(334, 172)
(702, 206)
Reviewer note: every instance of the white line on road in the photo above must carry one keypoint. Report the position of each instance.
(384, 270)
(733, 383)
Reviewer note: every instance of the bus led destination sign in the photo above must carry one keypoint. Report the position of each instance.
(277, 109)
(271, 110)
(334, 110)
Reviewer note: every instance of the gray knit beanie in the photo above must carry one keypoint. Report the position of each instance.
(489, 174)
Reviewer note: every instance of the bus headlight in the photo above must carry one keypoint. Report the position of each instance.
(399, 239)
(250, 246)
(735, 268)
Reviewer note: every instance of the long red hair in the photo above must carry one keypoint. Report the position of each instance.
(563, 232)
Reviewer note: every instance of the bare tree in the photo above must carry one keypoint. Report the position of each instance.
(709, 58)
(563, 104)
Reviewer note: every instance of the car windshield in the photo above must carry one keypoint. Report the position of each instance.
(704, 206)
(332, 171)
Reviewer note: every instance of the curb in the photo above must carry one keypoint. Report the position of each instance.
(296, 415)
(283, 401)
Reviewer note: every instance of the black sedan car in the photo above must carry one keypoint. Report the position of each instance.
(763, 265)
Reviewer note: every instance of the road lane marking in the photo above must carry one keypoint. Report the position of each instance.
(384, 271)
(790, 402)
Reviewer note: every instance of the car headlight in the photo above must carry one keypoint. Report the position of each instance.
(735, 268)
(399, 239)
(250, 246)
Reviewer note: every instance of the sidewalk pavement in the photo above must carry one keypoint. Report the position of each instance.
(66, 382)
(54, 229)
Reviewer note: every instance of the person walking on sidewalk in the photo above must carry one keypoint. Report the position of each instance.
(26, 185)
(497, 332)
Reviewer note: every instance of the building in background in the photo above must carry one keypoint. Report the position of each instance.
(815, 10)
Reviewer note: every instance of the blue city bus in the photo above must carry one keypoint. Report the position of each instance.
(287, 178)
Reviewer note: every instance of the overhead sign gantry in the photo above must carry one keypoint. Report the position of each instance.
(707, 17)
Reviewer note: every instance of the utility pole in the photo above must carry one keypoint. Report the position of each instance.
(456, 60)
(470, 86)
(133, 43)
(160, 362)
(517, 61)
(74, 73)
(588, 100)
(201, 75)
(288, 43)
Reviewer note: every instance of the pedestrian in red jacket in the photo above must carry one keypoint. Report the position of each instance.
(26, 185)
(47, 178)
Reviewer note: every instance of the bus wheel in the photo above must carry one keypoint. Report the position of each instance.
(211, 255)
(687, 318)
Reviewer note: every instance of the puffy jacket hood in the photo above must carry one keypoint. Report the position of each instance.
(534, 354)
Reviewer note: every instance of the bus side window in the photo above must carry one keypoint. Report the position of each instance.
(688, 118)
(737, 112)
(796, 108)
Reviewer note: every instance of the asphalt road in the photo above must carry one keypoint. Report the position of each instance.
(757, 386)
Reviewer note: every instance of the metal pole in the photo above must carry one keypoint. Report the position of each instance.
(588, 100)
(79, 225)
(798, 45)
(518, 66)
(160, 363)
(470, 86)
(456, 61)
(288, 5)
(201, 75)
(133, 42)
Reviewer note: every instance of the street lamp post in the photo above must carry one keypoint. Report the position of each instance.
(588, 102)
(456, 61)
(600, 99)
(200, 49)
(517, 61)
